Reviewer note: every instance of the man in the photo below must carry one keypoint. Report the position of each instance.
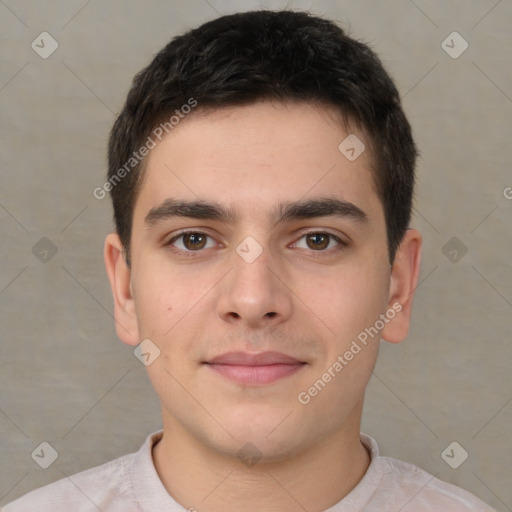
(262, 174)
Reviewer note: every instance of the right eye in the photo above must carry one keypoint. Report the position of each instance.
(189, 241)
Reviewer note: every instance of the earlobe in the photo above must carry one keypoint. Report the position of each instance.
(119, 275)
(403, 282)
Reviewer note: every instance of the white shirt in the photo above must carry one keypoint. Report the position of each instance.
(131, 484)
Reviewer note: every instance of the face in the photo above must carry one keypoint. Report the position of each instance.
(256, 291)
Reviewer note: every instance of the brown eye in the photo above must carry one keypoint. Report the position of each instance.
(194, 241)
(318, 241)
(191, 241)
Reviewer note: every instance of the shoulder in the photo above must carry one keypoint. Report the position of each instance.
(406, 487)
(105, 487)
(423, 491)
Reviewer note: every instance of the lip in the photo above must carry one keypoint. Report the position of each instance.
(263, 368)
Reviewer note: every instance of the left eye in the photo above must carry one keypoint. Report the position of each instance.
(318, 241)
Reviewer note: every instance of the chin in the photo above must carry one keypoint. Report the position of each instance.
(270, 438)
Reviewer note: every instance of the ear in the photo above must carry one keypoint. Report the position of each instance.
(404, 279)
(119, 275)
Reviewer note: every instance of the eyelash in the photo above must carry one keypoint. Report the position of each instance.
(190, 254)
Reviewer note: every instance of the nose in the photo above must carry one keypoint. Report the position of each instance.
(254, 294)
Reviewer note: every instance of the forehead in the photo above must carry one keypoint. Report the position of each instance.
(250, 158)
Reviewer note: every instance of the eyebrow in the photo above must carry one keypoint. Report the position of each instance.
(285, 211)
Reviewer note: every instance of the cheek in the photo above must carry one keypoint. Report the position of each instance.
(160, 300)
(349, 307)
(170, 303)
(350, 301)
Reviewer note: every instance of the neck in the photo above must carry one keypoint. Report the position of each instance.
(317, 478)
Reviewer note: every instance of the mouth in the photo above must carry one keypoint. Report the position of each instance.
(255, 369)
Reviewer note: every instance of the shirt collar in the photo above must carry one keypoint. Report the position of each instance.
(151, 494)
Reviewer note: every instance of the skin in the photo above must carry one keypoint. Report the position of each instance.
(295, 298)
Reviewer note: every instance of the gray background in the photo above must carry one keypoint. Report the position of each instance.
(67, 380)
